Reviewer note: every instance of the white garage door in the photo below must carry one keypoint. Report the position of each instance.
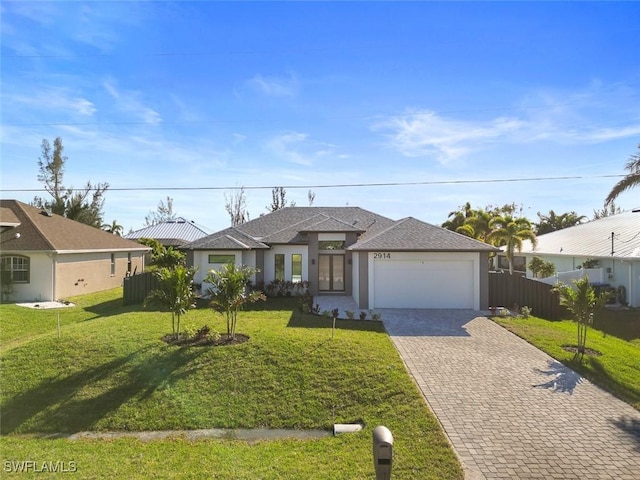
(423, 284)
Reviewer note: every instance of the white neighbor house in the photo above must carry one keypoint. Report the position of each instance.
(50, 257)
(614, 242)
(381, 263)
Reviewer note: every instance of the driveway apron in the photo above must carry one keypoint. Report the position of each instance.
(508, 409)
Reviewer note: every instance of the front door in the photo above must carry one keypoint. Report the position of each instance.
(331, 273)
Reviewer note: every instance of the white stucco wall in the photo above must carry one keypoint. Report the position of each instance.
(41, 275)
(287, 250)
(201, 262)
(59, 276)
(616, 272)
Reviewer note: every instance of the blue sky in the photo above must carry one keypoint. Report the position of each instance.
(208, 96)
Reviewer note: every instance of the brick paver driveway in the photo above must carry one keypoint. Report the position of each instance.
(510, 410)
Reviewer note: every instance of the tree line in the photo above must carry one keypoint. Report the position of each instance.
(86, 204)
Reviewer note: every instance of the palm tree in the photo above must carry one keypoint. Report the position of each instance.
(175, 293)
(115, 228)
(581, 300)
(230, 292)
(477, 225)
(552, 222)
(456, 219)
(632, 179)
(510, 232)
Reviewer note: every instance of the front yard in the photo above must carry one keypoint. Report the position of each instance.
(617, 369)
(109, 371)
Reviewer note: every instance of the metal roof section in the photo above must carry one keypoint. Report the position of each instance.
(616, 236)
(47, 232)
(410, 234)
(172, 232)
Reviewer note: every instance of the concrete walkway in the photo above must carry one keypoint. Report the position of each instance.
(510, 410)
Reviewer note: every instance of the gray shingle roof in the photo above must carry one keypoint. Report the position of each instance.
(229, 239)
(284, 226)
(593, 239)
(285, 219)
(172, 232)
(411, 234)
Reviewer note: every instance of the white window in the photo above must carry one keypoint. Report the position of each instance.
(16, 268)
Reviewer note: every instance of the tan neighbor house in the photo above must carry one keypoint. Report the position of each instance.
(50, 257)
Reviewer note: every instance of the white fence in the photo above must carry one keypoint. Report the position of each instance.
(596, 275)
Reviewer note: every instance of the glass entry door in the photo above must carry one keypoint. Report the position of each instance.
(331, 273)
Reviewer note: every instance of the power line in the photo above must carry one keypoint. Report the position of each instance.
(343, 185)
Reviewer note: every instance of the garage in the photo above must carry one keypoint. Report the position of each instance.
(430, 281)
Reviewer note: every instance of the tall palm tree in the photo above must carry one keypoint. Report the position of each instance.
(509, 231)
(478, 224)
(456, 218)
(632, 179)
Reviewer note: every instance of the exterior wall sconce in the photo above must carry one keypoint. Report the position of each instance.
(313, 261)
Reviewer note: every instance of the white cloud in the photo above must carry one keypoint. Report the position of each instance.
(296, 147)
(54, 100)
(424, 133)
(594, 114)
(129, 102)
(275, 86)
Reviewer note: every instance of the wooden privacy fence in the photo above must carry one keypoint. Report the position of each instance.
(508, 290)
(137, 287)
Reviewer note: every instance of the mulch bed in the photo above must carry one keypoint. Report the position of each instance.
(223, 340)
(587, 351)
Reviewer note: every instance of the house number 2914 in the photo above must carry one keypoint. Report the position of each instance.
(379, 255)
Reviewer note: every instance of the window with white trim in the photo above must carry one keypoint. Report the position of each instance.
(17, 267)
(221, 259)
(296, 267)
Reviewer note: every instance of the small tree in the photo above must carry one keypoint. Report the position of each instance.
(279, 199)
(230, 292)
(164, 213)
(581, 300)
(169, 258)
(162, 257)
(236, 206)
(541, 268)
(175, 293)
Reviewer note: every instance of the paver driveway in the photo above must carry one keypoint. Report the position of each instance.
(510, 410)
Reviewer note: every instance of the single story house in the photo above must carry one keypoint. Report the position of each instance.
(609, 245)
(172, 233)
(47, 257)
(381, 263)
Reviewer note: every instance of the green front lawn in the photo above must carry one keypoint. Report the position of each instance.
(616, 370)
(109, 371)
